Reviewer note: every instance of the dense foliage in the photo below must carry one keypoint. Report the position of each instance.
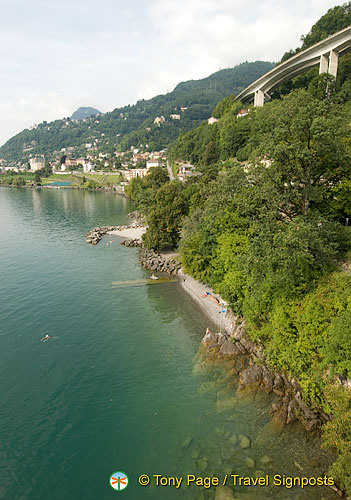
(134, 125)
(268, 234)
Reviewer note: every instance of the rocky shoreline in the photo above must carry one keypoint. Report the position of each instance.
(154, 261)
(95, 235)
(255, 374)
(235, 342)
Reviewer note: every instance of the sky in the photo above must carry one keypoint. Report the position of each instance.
(58, 55)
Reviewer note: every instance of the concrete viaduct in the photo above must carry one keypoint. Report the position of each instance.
(325, 53)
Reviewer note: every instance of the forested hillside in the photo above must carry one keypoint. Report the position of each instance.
(266, 225)
(134, 125)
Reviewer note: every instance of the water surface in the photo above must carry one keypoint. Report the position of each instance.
(120, 385)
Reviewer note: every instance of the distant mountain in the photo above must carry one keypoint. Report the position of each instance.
(178, 111)
(83, 113)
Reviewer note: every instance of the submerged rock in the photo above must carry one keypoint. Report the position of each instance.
(224, 493)
(265, 460)
(225, 404)
(187, 442)
(250, 463)
(233, 439)
(244, 442)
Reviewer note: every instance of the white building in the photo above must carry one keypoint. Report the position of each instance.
(242, 112)
(138, 172)
(36, 164)
(159, 119)
(152, 163)
(125, 173)
(88, 167)
(175, 117)
(212, 120)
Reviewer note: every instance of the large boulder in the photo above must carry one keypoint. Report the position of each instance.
(278, 385)
(252, 375)
(210, 337)
(267, 378)
(230, 349)
(244, 442)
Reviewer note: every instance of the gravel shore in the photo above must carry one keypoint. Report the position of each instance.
(196, 289)
(133, 233)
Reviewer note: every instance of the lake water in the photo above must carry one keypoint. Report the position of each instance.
(120, 386)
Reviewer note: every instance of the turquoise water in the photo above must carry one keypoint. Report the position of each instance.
(120, 386)
(61, 183)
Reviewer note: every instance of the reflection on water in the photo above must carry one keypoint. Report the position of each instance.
(123, 386)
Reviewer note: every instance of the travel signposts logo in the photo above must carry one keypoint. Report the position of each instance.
(119, 481)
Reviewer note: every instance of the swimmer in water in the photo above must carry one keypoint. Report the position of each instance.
(47, 337)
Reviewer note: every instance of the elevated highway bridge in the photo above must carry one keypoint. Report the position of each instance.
(325, 54)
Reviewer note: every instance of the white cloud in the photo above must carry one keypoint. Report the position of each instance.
(20, 113)
(224, 33)
(57, 56)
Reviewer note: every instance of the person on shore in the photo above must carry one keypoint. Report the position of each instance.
(153, 277)
(210, 296)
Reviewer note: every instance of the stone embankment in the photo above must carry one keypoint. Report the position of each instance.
(95, 235)
(156, 262)
(137, 218)
(132, 242)
(255, 374)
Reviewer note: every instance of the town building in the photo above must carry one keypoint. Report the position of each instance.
(152, 163)
(212, 120)
(74, 162)
(36, 163)
(159, 119)
(242, 112)
(88, 167)
(138, 172)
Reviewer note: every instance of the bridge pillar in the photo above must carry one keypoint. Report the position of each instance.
(333, 63)
(259, 98)
(323, 64)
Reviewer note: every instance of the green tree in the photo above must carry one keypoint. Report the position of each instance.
(322, 86)
(165, 216)
(337, 435)
(37, 179)
(211, 153)
(18, 181)
(301, 153)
